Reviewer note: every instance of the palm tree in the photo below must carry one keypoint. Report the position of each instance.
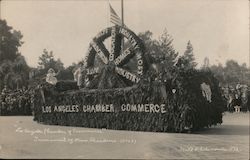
(5, 68)
(13, 74)
(13, 80)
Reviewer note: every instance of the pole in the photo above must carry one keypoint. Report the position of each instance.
(122, 48)
(0, 9)
(108, 19)
(122, 13)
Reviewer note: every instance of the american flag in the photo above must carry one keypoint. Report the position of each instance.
(114, 18)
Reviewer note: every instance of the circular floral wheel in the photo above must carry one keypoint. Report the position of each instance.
(119, 66)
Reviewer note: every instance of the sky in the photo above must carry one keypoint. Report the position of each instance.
(217, 29)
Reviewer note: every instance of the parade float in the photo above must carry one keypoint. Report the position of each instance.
(117, 92)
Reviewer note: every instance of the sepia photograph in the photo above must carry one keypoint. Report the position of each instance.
(124, 79)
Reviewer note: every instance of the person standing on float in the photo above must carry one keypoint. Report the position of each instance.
(78, 75)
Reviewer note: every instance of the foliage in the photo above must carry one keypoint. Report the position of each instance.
(10, 41)
(67, 74)
(47, 61)
(13, 67)
(160, 56)
(206, 64)
(187, 60)
(232, 73)
(161, 50)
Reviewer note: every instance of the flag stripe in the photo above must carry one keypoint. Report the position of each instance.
(114, 18)
(115, 21)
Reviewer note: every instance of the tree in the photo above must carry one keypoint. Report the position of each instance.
(205, 63)
(13, 67)
(167, 49)
(232, 73)
(5, 67)
(14, 80)
(187, 60)
(160, 50)
(10, 41)
(160, 54)
(14, 74)
(219, 73)
(67, 74)
(46, 61)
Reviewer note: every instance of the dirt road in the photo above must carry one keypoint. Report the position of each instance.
(21, 137)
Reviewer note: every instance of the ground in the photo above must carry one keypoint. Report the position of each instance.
(21, 137)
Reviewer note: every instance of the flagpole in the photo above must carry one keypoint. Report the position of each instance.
(122, 13)
(108, 13)
(109, 41)
(0, 9)
(122, 48)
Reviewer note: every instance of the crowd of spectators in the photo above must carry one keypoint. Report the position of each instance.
(237, 97)
(16, 102)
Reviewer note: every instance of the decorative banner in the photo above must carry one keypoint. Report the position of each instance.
(90, 57)
(146, 108)
(121, 58)
(103, 34)
(130, 36)
(139, 63)
(100, 52)
(93, 70)
(113, 42)
(128, 75)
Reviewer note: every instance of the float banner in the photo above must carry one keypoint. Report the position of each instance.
(146, 108)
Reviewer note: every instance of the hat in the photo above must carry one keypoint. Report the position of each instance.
(51, 70)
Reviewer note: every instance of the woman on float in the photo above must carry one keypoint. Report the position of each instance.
(50, 77)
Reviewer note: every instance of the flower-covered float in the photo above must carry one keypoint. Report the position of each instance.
(115, 92)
